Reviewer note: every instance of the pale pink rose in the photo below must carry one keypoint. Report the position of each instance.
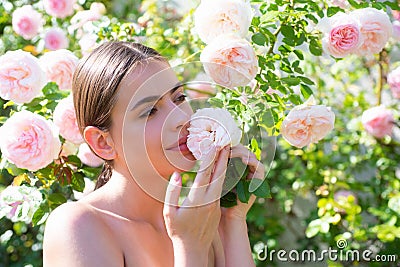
(59, 8)
(59, 66)
(230, 61)
(29, 140)
(378, 121)
(21, 77)
(211, 127)
(342, 35)
(307, 123)
(213, 18)
(396, 14)
(340, 3)
(96, 11)
(69, 148)
(64, 118)
(55, 38)
(376, 29)
(396, 30)
(393, 80)
(27, 22)
(86, 155)
(88, 43)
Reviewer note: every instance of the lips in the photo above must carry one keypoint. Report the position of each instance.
(180, 146)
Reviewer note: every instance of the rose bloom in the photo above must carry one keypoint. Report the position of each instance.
(396, 30)
(96, 11)
(87, 157)
(211, 127)
(230, 61)
(29, 140)
(378, 121)
(213, 18)
(59, 66)
(26, 22)
(393, 80)
(55, 38)
(307, 123)
(340, 3)
(21, 77)
(376, 30)
(69, 148)
(342, 35)
(88, 43)
(64, 118)
(59, 8)
(19, 203)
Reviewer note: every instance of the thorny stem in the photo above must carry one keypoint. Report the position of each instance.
(383, 64)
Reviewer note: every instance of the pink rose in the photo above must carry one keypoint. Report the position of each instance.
(396, 30)
(86, 155)
(378, 121)
(213, 18)
(211, 127)
(340, 3)
(59, 8)
(64, 118)
(59, 66)
(396, 14)
(307, 123)
(68, 148)
(342, 35)
(21, 77)
(376, 29)
(96, 11)
(27, 22)
(29, 140)
(230, 61)
(393, 80)
(88, 43)
(55, 39)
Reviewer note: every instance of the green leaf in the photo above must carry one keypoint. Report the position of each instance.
(57, 198)
(313, 228)
(299, 54)
(41, 214)
(288, 32)
(228, 200)
(292, 81)
(305, 90)
(332, 10)
(242, 189)
(315, 47)
(78, 181)
(260, 188)
(259, 38)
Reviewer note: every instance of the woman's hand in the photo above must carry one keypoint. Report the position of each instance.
(256, 170)
(193, 225)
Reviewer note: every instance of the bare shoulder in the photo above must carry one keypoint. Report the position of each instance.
(76, 236)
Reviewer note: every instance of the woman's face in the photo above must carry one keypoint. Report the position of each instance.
(150, 121)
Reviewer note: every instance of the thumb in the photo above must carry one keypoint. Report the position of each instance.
(173, 192)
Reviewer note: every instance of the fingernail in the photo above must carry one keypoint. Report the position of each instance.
(175, 178)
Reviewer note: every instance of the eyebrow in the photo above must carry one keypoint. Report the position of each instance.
(155, 97)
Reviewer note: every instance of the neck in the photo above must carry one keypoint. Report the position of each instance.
(127, 199)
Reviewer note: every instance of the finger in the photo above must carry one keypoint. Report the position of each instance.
(218, 177)
(248, 158)
(172, 193)
(205, 169)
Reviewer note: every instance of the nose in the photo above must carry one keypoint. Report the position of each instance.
(178, 117)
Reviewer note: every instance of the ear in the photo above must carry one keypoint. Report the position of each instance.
(101, 142)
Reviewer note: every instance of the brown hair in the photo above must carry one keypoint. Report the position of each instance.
(95, 85)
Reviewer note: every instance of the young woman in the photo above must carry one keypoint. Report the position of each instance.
(133, 114)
